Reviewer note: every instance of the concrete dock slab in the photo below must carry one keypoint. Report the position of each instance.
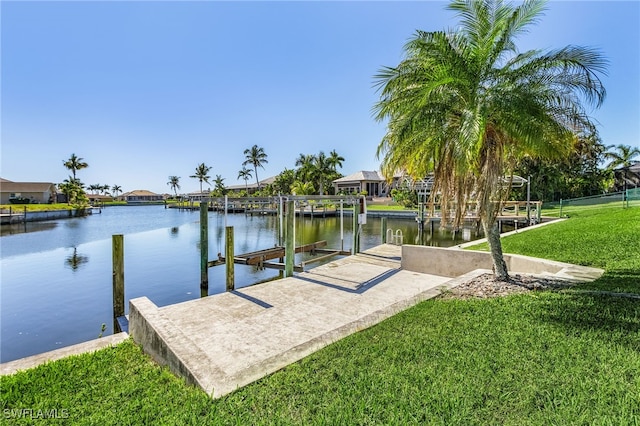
(32, 361)
(226, 341)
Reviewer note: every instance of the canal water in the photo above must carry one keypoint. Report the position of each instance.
(56, 276)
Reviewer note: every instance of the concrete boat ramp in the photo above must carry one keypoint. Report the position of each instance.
(226, 341)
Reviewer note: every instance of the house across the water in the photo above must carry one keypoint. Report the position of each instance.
(27, 192)
(141, 196)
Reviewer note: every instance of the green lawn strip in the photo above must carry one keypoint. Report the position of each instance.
(607, 238)
(380, 207)
(19, 208)
(544, 358)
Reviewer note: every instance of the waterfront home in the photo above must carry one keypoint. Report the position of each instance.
(141, 196)
(370, 181)
(251, 187)
(27, 192)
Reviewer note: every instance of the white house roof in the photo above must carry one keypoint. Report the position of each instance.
(361, 176)
(8, 186)
(139, 193)
(263, 182)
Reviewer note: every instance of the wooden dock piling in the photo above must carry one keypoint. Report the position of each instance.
(289, 256)
(383, 231)
(118, 279)
(204, 245)
(229, 258)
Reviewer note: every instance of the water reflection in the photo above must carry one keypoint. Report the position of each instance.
(21, 228)
(75, 260)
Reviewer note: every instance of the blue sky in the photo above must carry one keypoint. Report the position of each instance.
(144, 90)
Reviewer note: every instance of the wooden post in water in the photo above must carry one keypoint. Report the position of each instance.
(204, 245)
(229, 257)
(118, 279)
(383, 231)
(290, 243)
(356, 237)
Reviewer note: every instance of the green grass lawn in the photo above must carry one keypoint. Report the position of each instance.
(539, 358)
(19, 208)
(380, 207)
(607, 238)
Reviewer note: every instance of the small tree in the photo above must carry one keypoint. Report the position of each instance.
(257, 158)
(219, 190)
(245, 174)
(116, 189)
(174, 184)
(202, 174)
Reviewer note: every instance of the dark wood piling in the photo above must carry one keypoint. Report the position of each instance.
(118, 279)
(229, 258)
(204, 245)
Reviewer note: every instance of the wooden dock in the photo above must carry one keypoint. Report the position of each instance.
(262, 258)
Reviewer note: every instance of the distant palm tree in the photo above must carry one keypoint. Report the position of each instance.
(302, 188)
(174, 184)
(245, 174)
(306, 166)
(116, 189)
(105, 189)
(622, 156)
(335, 160)
(219, 189)
(75, 163)
(322, 169)
(257, 158)
(73, 188)
(94, 188)
(202, 174)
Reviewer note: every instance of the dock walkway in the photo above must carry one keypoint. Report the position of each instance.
(226, 341)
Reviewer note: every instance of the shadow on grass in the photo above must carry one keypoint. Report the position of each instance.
(615, 319)
(618, 281)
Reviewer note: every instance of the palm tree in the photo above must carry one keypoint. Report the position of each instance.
(94, 188)
(257, 158)
(245, 174)
(622, 156)
(322, 169)
(174, 184)
(219, 189)
(73, 188)
(116, 189)
(335, 160)
(202, 174)
(305, 164)
(465, 106)
(302, 188)
(75, 163)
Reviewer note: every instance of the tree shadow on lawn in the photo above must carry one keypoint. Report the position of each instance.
(615, 319)
(617, 281)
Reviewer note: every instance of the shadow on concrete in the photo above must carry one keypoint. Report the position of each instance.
(251, 299)
(359, 288)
